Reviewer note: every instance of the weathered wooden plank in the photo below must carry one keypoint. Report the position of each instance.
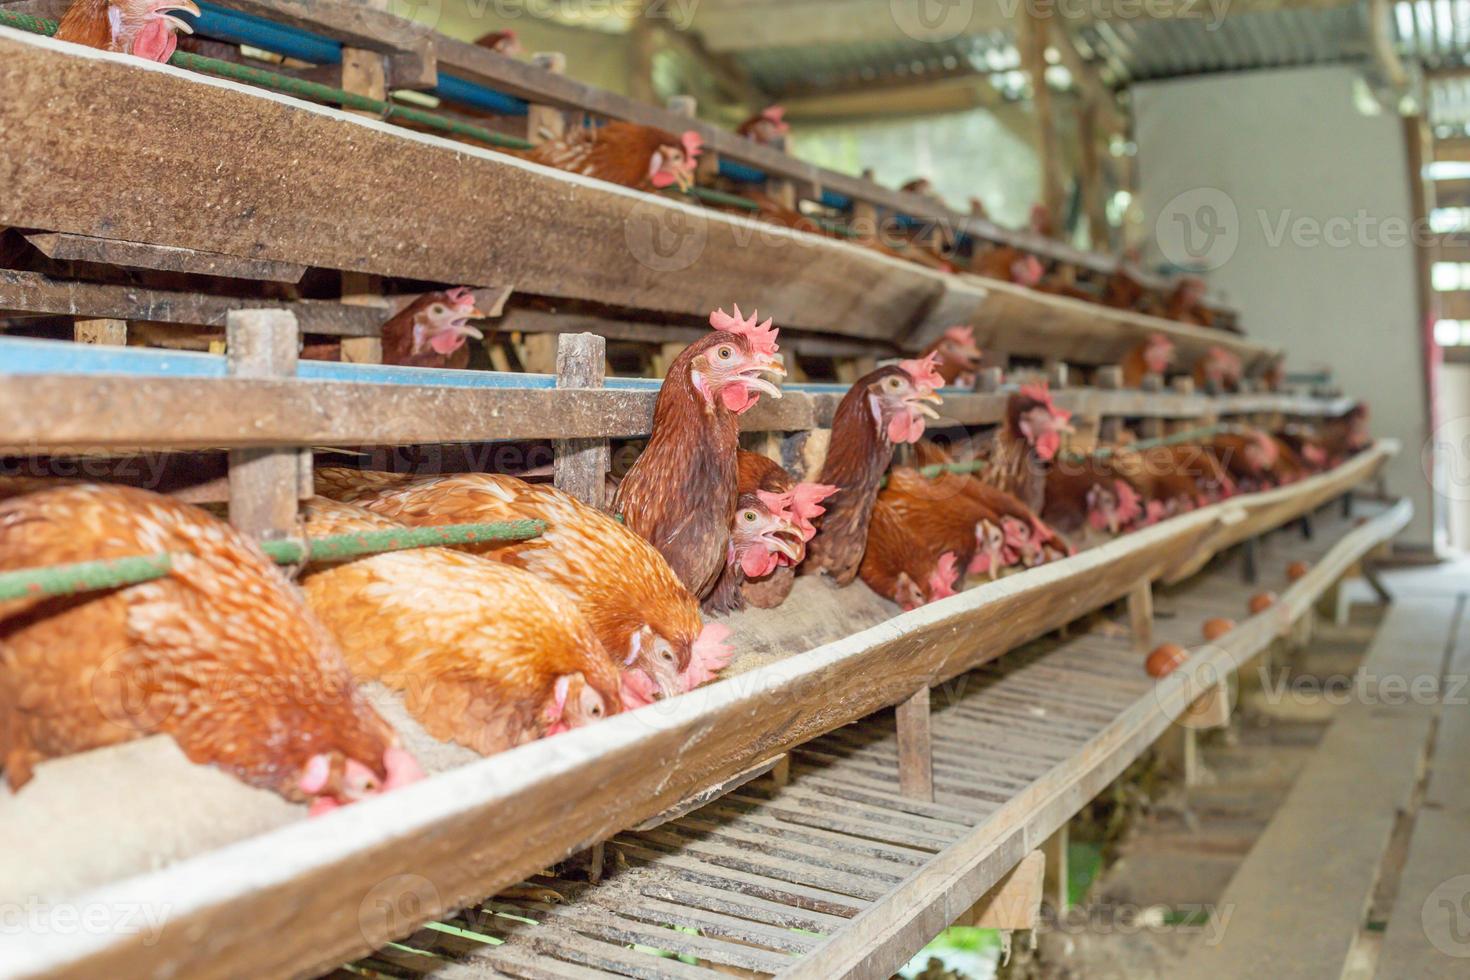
(1425, 938)
(660, 883)
(31, 292)
(709, 923)
(472, 830)
(915, 750)
(264, 480)
(581, 464)
(178, 413)
(884, 936)
(160, 258)
(267, 184)
(1304, 904)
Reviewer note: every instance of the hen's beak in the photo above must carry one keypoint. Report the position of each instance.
(184, 6)
(781, 542)
(666, 679)
(923, 404)
(771, 365)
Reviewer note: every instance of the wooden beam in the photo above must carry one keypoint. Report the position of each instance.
(110, 333)
(31, 292)
(162, 258)
(596, 241)
(1014, 902)
(1141, 616)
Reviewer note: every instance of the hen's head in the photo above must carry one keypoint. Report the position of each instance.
(330, 779)
(991, 553)
(702, 651)
(505, 42)
(574, 702)
(673, 162)
(726, 366)
(958, 353)
(769, 126)
(764, 533)
(940, 584)
(902, 397)
(1158, 353)
(150, 28)
(1021, 541)
(1112, 507)
(1027, 271)
(1221, 366)
(1033, 416)
(441, 321)
(1260, 452)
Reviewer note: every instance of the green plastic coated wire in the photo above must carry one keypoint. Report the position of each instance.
(57, 581)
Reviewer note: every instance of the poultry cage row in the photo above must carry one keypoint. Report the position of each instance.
(138, 165)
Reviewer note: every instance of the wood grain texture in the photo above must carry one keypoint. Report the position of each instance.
(160, 258)
(581, 464)
(1297, 903)
(31, 292)
(420, 207)
(915, 747)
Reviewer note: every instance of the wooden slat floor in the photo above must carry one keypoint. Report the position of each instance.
(757, 880)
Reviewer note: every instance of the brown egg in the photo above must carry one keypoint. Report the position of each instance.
(1165, 659)
(1262, 601)
(1296, 570)
(1217, 627)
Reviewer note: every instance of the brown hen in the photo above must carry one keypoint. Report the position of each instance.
(221, 654)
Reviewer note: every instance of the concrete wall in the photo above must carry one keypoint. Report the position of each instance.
(1297, 202)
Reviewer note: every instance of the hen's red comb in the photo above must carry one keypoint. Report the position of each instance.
(1130, 506)
(961, 334)
(946, 576)
(761, 335)
(693, 144)
(1041, 393)
(779, 504)
(806, 506)
(922, 371)
(709, 655)
(460, 296)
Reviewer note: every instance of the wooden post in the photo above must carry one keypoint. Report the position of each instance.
(545, 123)
(1152, 427)
(1109, 378)
(1055, 878)
(106, 333)
(265, 483)
(1141, 616)
(1015, 901)
(1095, 206)
(781, 771)
(581, 464)
(1032, 42)
(915, 749)
(363, 73)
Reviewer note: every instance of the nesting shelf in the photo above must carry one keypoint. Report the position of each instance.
(837, 873)
(329, 890)
(262, 178)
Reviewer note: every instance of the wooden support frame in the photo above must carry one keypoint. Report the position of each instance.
(1014, 902)
(581, 464)
(915, 747)
(265, 481)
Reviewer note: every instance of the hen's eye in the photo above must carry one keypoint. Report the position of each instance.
(437, 309)
(750, 517)
(725, 353)
(893, 383)
(667, 656)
